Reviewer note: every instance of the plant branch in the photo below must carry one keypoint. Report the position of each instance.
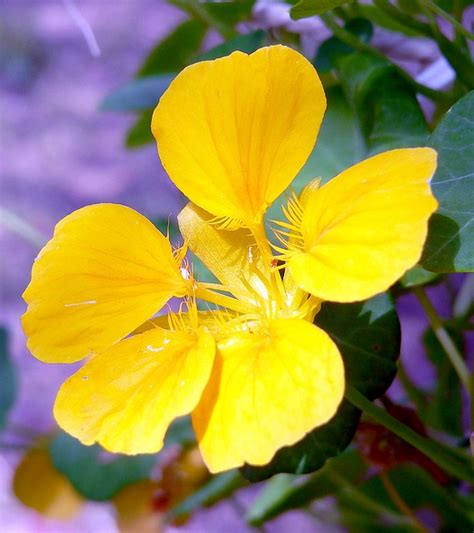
(443, 337)
(460, 63)
(403, 18)
(400, 503)
(451, 461)
(446, 16)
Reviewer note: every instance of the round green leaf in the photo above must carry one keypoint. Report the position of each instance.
(450, 244)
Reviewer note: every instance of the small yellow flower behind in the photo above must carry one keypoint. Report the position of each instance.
(256, 374)
(38, 485)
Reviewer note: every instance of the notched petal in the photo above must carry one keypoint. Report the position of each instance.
(234, 132)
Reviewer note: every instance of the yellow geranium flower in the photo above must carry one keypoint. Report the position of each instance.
(256, 375)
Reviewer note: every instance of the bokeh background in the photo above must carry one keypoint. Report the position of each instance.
(59, 151)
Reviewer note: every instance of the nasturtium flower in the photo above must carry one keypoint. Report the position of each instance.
(256, 373)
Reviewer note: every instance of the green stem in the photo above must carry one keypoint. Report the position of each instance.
(465, 298)
(400, 503)
(403, 18)
(443, 14)
(350, 39)
(364, 501)
(443, 337)
(412, 391)
(449, 460)
(461, 63)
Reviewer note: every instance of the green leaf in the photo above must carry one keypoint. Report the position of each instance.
(96, 478)
(8, 382)
(368, 336)
(140, 132)
(174, 51)
(311, 453)
(248, 43)
(385, 103)
(180, 432)
(332, 48)
(450, 244)
(286, 491)
(327, 158)
(200, 11)
(417, 276)
(231, 12)
(308, 8)
(218, 488)
(137, 95)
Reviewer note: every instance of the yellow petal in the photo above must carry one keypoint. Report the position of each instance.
(267, 390)
(234, 132)
(126, 397)
(37, 484)
(232, 256)
(106, 270)
(363, 229)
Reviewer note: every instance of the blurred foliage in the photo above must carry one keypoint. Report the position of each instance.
(308, 8)
(7, 378)
(373, 105)
(143, 94)
(93, 473)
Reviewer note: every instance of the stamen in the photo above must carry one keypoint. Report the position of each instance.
(222, 300)
(227, 223)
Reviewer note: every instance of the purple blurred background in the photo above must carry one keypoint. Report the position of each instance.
(59, 152)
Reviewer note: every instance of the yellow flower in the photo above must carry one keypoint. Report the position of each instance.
(38, 485)
(257, 374)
